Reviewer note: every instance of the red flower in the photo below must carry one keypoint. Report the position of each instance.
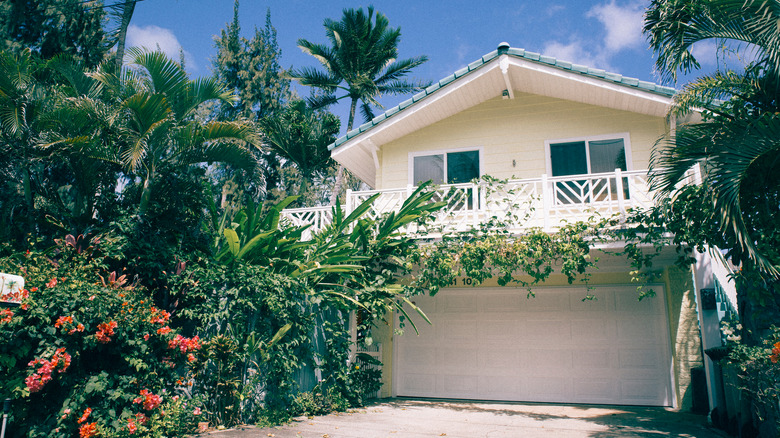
(159, 316)
(85, 415)
(775, 357)
(163, 330)
(131, 426)
(149, 400)
(37, 380)
(88, 430)
(105, 330)
(185, 345)
(6, 315)
(146, 337)
(52, 282)
(63, 320)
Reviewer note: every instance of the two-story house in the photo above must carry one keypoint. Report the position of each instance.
(572, 140)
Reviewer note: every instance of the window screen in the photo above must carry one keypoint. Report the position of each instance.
(450, 167)
(429, 167)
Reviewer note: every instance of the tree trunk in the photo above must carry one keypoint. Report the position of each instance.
(339, 183)
(127, 14)
(146, 194)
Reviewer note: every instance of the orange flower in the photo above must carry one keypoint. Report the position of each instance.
(85, 415)
(88, 430)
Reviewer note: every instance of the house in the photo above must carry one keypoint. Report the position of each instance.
(571, 141)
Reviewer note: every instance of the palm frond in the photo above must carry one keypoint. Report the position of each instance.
(164, 75)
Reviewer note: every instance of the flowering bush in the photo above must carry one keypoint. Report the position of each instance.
(759, 373)
(80, 357)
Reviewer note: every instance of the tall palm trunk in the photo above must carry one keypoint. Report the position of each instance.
(339, 183)
(127, 13)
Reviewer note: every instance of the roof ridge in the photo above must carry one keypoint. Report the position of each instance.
(521, 53)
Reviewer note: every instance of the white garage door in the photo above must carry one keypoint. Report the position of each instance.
(496, 344)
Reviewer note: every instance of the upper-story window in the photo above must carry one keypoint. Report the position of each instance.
(589, 155)
(445, 167)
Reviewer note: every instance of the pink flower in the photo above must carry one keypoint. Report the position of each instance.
(196, 411)
(52, 282)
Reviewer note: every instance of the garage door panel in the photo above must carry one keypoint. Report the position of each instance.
(457, 329)
(457, 358)
(596, 359)
(501, 303)
(418, 357)
(547, 302)
(417, 384)
(545, 362)
(628, 302)
(499, 361)
(646, 359)
(594, 390)
(456, 304)
(501, 331)
(550, 348)
(499, 387)
(641, 391)
(549, 330)
(640, 327)
(592, 331)
(457, 386)
(598, 305)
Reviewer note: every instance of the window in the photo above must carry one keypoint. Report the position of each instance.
(446, 167)
(588, 156)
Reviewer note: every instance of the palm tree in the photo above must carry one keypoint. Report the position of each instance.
(738, 144)
(302, 135)
(22, 101)
(161, 131)
(361, 63)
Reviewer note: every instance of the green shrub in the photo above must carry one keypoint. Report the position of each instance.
(86, 353)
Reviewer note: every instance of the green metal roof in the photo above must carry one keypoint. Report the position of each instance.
(504, 48)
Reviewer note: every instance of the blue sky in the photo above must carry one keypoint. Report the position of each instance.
(602, 34)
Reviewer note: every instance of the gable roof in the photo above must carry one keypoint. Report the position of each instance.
(500, 72)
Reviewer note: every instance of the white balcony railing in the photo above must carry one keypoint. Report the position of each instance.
(543, 202)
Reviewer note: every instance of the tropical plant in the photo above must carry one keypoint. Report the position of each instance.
(738, 142)
(54, 27)
(160, 132)
(362, 62)
(301, 136)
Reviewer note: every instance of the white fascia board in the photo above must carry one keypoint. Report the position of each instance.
(593, 82)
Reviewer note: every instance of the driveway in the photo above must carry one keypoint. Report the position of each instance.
(414, 418)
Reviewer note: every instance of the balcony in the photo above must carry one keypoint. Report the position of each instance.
(517, 205)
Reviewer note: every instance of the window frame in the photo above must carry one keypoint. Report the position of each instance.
(625, 136)
(413, 155)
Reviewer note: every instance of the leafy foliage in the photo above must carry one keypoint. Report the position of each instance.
(86, 349)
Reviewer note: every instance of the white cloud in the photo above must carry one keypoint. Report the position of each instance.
(576, 53)
(154, 37)
(623, 24)
(622, 30)
(706, 52)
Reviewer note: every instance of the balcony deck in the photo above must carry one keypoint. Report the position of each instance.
(518, 205)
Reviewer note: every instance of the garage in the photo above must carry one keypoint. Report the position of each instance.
(496, 344)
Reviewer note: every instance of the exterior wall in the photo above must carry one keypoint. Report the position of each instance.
(683, 326)
(684, 329)
(516, 129)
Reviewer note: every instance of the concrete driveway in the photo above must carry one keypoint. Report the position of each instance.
(413, 418)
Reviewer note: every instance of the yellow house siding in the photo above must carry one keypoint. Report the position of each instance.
(517, 129)
(684, 326)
